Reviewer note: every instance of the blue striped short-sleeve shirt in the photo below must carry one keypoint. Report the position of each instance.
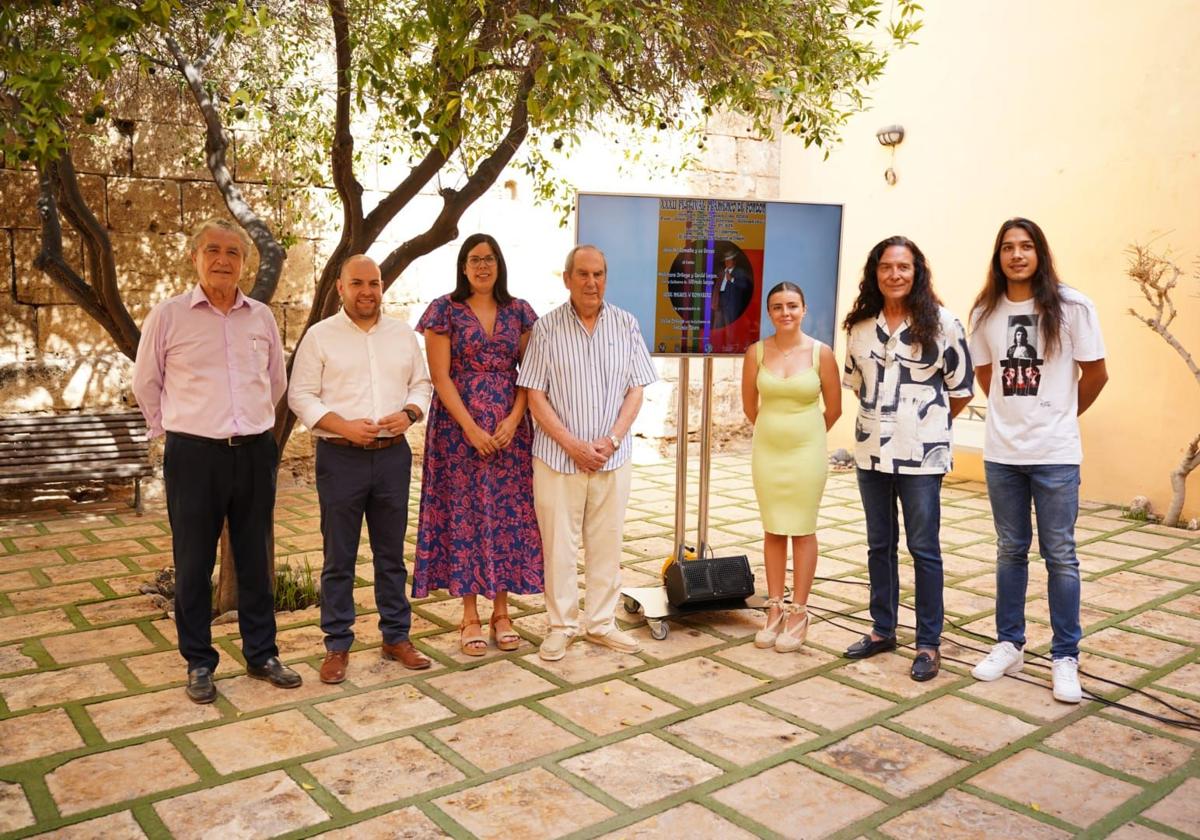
(585, 377)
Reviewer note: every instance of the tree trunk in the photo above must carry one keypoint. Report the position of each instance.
(1191, 460)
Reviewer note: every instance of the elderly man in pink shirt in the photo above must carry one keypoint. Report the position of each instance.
(209, 372)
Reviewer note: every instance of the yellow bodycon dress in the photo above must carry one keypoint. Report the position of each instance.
(788, 460)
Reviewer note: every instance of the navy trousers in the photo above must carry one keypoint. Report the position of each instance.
(353, 483)
(206, 483)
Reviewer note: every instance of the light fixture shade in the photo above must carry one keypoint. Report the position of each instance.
(890, 135)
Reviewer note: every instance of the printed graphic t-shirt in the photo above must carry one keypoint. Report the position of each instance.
(1033, 399)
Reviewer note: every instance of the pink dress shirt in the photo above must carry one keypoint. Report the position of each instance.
(202, 372)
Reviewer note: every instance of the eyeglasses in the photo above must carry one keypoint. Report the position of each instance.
(475, 262)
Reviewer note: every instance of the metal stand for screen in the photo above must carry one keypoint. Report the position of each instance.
(651, 601)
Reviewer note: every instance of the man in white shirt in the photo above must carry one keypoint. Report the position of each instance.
(1039, 356)
(359, 381)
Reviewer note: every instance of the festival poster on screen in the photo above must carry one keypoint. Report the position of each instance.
(710, 268)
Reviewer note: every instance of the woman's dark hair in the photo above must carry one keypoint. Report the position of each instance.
(785, 286)
(923, 303)
(462, 287)
(1047, 295)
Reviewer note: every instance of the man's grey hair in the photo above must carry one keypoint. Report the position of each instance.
(570, 266)
(216, 223)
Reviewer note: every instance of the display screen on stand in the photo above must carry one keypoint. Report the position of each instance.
(696, 271)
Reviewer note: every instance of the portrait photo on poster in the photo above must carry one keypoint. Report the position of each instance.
(1021, 367)
(694, 271)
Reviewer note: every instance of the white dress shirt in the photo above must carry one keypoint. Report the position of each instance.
(357, 373)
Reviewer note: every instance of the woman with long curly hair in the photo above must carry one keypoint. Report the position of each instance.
(907, 360)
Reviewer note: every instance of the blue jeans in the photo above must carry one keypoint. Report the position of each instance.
(920, 499)
(1054, 491)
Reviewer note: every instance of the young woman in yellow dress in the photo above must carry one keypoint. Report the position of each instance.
(785, 378)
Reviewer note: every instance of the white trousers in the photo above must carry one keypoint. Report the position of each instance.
(592, 506)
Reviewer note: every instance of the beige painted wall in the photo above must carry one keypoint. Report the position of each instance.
(1080, 114)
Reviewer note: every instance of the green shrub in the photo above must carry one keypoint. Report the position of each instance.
(295, 588)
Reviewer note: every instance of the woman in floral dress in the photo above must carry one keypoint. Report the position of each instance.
(478, 534)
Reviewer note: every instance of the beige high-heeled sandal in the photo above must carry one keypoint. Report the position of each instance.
(766, 637)
(793, 639)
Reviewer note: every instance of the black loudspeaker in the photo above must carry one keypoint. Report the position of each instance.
(693, 582)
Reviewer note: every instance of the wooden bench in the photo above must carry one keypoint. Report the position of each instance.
(49, 449)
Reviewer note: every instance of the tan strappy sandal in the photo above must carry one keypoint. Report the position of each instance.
(506, 639)
(766, 637)
(793, 639)
(473, 644)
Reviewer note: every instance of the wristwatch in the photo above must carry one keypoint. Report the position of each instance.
(615, 441)
(413, 414)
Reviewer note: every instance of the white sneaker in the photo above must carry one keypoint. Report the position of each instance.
(1066, 680)
(554, 646)
(1005, 658)
(616, 639)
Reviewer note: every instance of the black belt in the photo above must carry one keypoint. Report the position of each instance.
(232, 440)
(378, 443)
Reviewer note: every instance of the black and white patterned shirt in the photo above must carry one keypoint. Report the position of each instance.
(904, 394)
(585, 377)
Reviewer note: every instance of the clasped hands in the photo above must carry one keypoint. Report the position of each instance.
(489, 444)
(363, 431)
(590, 455)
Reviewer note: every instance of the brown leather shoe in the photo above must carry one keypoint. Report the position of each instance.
(406, 654)
(333, 669)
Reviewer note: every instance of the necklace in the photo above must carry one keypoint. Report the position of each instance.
(787, 354)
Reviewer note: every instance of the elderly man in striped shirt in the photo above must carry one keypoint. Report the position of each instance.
(584, 371)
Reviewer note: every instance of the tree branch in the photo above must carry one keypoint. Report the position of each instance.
(271, 254)
(455, 202)
(1189, 462)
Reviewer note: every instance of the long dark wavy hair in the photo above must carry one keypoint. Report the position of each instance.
(462, 287)
(1047, 293)
(923, 302)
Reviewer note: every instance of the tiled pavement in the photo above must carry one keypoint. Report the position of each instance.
(701, 735)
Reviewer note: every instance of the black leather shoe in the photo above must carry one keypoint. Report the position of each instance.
(926, 665)
(276, 673)
(866, 646)
(200, 688)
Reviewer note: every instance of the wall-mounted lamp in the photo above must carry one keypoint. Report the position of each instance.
(890, 136)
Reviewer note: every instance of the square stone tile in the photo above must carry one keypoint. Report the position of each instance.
(14, 807)
(791, 798)
(372, 713)
(1185, 679)
(104, 550)
(1178, 808)
(683, 821)
(699, 680)
(368, 667)
(1035, 701)
(957, 815)
(114, 776)
(12, 660)
(251, 695)
(740, 734)
(535, 803)
(1126, 590)
(22, 626)
(736, 623)
(85, 571)
(825, 702)
(686, 820)
(681, 640)
(773, 664)
(382, 773)
(120, 609)
(407, 823)
(1096, 669)
(504, 738)
(890, 672)
(641, 770)
(964, 724)
(120, 825)
(144, 714)
(1147, 704)
(1169, 568)
(1113, 641)
(1122, 748)
(129, 584)
(155, 669)
(52, 596)
(12, 581)
(36, 542)
(608, 707)
(889, 760)
(258, 807)
(585, 662)
(297, 643)
(1133, 831)
(95, 644)
(490, 685)
(51, 688)
(1078, 795)
(36, 735)
(258, 741)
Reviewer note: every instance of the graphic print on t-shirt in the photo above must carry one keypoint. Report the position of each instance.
(1021, 368)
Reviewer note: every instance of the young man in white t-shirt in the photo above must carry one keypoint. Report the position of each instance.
(1039, 357)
